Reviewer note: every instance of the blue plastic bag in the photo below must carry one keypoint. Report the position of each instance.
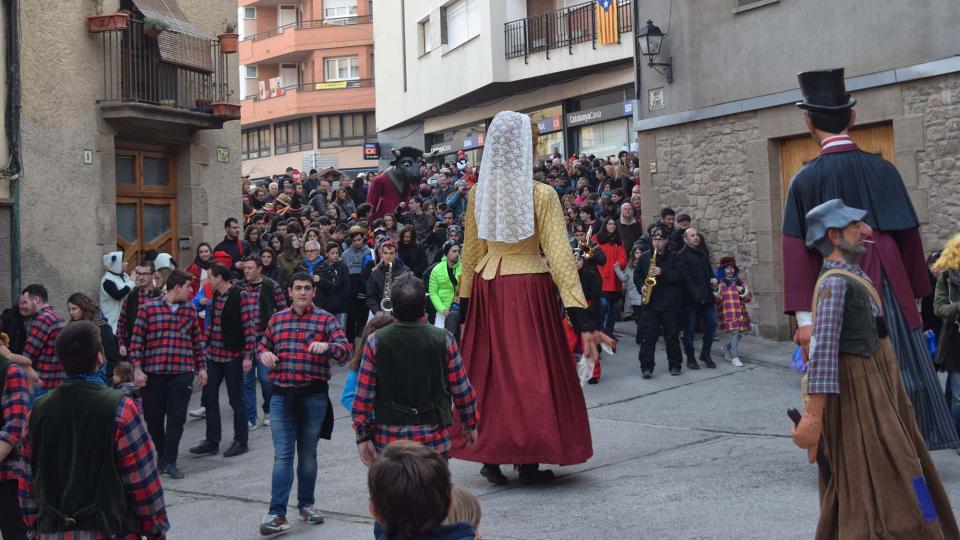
(931, 343)
(798, 364)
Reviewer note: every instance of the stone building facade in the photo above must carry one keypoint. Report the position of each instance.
(729, 139)
(104, 168)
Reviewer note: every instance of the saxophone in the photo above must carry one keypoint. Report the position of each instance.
(651, 281)
(386, 305)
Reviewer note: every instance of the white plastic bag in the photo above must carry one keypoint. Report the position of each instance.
(585, 369)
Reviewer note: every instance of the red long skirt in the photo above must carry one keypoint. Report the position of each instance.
(516, 355)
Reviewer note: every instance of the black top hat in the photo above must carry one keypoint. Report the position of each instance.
(823, 90)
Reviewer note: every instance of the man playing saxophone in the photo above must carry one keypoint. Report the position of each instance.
(664, 301)
(377, 284)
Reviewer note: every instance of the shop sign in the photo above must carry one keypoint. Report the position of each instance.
(600, 114)
(550, 124)
(473, 141)
(371, 150)
(442, 148)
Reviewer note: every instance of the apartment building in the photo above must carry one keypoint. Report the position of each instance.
(722, 141)
(124, 137)
(307, 85)
(445, 68)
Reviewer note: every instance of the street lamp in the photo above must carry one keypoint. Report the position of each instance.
(649, 39)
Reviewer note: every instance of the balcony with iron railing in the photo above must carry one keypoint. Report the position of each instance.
(295, 42)
(168, 81)
(560, 29)
(308, 98)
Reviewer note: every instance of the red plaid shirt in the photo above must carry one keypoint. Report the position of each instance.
(134, 457)
(433, 436)
(39, 346)
(140, 296)
(15, 404)
(167, 342)
(250, 314)
(288, 335)
(215, 349)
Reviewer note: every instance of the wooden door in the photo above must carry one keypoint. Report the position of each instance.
(798, 151)
(146, 203)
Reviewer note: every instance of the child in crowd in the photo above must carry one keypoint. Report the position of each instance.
(732, 295)
(350, 384)
(411, 495)
(123, 380)
(633, 296)
(591, 283)
(465, 509)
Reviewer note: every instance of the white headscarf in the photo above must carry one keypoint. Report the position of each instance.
(504, 194)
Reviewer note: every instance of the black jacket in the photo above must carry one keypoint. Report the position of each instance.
(675, 242)
(111, 350)
(333, 289)
(667, 294)
(696, 272)
(375, 284)
(13, 324)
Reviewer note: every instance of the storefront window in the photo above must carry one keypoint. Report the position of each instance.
(550, 144)
(605, 139)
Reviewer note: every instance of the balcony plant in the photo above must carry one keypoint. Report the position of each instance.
(229, 39)
(223, 108)
(109, 22)
(154, 27)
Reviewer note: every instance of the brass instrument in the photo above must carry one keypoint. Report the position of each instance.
(585, 250)
(386, 305)
(651, 281)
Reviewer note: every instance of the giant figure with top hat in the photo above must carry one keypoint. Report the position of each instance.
(894, 260)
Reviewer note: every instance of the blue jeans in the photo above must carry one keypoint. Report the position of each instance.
(295, 426)
(250, 378)
(608, 311)
(953, 386)
(692, 313)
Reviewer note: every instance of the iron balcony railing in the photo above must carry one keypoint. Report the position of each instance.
(322, 23)
(561, 28)
(313, 87)
(171, 69)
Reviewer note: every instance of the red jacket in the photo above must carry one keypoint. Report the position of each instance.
(615, 255)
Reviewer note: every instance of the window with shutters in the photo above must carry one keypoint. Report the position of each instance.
(338, 130)
(461, 22)
(293, 136)
(338, 9)
(255, 142)
(423, 34)
(250, 72)
(344, 68)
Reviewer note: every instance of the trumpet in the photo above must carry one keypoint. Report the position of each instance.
(584, 247)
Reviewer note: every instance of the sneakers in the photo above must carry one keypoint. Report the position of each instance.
(266, 419)
(273, 524)
(200, 412)
(205, 448)
(253, 426)
(311, 515)
(736, 361)
(646, 373)
(172, 471)
(236, 449)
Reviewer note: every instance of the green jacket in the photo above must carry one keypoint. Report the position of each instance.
(441, 289)
(946, 305)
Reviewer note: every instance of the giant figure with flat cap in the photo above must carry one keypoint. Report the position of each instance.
(876, 476)
(894, 260)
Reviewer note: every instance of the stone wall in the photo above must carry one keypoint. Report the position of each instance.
(937, 101)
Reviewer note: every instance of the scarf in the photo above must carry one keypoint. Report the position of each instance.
(504, 194)
(202, 263)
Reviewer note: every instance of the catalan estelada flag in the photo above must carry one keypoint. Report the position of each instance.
(607, 30)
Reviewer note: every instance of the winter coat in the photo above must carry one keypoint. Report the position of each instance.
(333, 288)
(694, 266)
(946, 305)
(113, 287)
(414, 257)
(442, 291)
(732, 312)
(614, 256)
(457, 531)
(377, 280)
(667, 294)
(633, 297)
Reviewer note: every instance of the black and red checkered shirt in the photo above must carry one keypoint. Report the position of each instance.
(288, 335)
(250, 314)
(139, 295)
(43, 333)
(15, 404)
(167, 339)
(215, 349)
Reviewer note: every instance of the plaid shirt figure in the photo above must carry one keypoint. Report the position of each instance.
(15, 405)
(289, 334)
(825, 344)
(250, 314)
(432, 436)
(134, 458)
(167, 339)
(41, 336)
(215, 349)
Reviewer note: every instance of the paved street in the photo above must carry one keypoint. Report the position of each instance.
(702, 455)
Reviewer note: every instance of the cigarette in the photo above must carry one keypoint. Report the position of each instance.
(869, 242)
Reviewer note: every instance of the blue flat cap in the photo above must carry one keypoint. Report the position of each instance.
(832, 214)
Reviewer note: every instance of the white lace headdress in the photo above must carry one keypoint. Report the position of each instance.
(504, 194)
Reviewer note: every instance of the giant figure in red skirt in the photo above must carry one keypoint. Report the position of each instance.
(518, 270)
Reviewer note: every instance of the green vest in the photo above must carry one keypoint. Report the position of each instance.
(412, 386)
(268, 305)
(75, 477)
(858, 335)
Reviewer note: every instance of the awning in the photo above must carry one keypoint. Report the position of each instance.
(183, 44)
